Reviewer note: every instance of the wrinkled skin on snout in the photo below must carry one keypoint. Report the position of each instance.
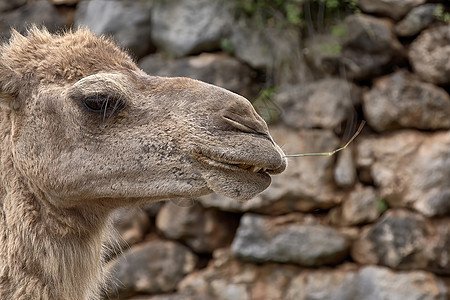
(115, 137)
(136, 136)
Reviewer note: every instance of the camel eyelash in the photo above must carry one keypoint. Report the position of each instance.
(103, 104)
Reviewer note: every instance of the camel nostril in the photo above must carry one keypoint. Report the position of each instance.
(246, 122)
(241, 115)
(240, 124)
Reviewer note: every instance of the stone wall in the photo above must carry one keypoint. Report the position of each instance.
(372, 222)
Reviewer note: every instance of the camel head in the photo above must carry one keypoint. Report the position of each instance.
(82, 124)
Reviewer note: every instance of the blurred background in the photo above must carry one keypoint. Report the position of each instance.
(371, 222)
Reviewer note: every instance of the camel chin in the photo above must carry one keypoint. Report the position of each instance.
(241, 184)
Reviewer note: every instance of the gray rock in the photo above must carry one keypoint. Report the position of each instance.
(370, 48)
(416, 20)
(321, 284)
(307, 184)
(65, 2)
(218, 69)
(40, 12)
(226, 278)
(394, 9)
(152, 208)
(127, 21)
(429, 54)
(345, 170)
(226, 204)
(360, 207)
(322, 104)
(203, 230)
(6, 5)
(323, 53)
(400, 100)
(366, 48)
(175, 296)
(375, 282)
(410, 169)
(132, 223)
(270, 49)
(253, 46)
(153, 267)
(283, 239)
(190, 26)
(405, 240)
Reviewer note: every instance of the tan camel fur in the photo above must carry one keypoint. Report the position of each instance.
(84, 131)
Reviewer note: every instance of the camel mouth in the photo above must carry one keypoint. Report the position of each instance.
(238, 165)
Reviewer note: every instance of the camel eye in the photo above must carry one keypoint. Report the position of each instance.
(95, 104)
(101, 103)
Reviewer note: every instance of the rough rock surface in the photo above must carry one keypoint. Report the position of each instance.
(226, 278)
(307, 183)
(190, 26)
(39, 12)
(152, 267)
(400, 100)
(132, 223)
(345, 170)
(203, 230)
(6, 5)
(152, 209)
(405, 240)
(323, 53)
(127, 21)
(391, 8)
(65, 2)
(416, 20)
(370, 47)
(320, 284)
(285, 239)
(271, 49)
(360, 207)
(219, 69)
(367, 47)
(374, 282)
(429, 54)
(410, 169)
(322, 104)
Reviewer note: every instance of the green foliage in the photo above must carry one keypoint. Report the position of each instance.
(266, 107)
(339, 30)
(339, 4)
(441, 15)
(381, 204)
(285, 13)
(227, 45)
(293, 13)
(269, 11)
(333, 49)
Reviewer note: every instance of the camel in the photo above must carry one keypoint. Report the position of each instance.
(85, 131)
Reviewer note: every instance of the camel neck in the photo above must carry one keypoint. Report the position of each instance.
(45, 252)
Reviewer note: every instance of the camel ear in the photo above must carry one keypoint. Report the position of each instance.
(9, 80)
(8, 87)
